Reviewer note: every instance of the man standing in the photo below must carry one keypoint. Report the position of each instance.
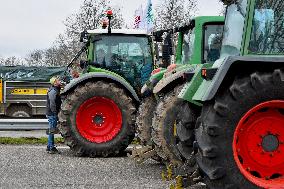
(52, 110)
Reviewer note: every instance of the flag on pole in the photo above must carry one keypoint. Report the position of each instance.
(149, 17)
(144, 19)
(138, 18)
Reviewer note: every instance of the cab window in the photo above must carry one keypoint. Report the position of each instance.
(212, 42)
(267, 36)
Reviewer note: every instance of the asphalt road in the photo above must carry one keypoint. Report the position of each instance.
(31, 167)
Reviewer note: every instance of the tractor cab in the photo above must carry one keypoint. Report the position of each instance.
(200, 41)
(127, 53)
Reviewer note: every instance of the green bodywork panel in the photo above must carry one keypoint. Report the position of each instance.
(191, 87)
(179, 48)
(93, 69)
(158, 76)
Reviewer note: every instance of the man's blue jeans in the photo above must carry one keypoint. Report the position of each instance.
(52, 122)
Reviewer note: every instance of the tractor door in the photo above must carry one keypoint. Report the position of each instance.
(212, 42)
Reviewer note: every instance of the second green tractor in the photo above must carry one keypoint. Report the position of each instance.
(159, 118)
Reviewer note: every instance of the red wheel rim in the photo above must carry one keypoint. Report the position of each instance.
(258, 144)
(99, 119)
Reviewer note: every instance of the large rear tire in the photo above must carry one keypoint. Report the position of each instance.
(97, 119)
(173, 116)
(241, 134)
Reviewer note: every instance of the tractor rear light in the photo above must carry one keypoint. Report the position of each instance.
(156, 71)
(204, 73)
(171, 67)
(208, 73)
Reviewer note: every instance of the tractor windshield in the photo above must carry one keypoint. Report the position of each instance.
(188, 45)
(129, 56)
(234, 27)
(267, 36)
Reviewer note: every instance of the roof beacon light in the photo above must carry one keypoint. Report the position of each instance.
(109, 16)
(109, 13)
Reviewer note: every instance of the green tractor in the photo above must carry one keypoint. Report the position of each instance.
(98, 112)
(240, 133)
(198, 42)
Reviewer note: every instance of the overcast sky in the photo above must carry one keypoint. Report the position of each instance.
(34, 24)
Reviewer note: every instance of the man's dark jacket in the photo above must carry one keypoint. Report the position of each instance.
(53, 101)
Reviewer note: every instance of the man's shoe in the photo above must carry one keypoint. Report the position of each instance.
(53, 151)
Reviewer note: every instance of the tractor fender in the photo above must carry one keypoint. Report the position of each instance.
(169, 78)
(227, 68)
(100, 75)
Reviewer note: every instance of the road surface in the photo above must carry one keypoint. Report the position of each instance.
(29, 166)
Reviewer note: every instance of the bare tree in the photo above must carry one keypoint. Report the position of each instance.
(11, 61)
(53, 56)
(1, 61)
(35, 58)
(89, 16)
(171, 13)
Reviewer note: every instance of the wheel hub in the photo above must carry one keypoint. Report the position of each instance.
(99, 119)
(270, 143)
(258, 144)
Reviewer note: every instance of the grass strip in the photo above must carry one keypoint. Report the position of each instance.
(27, 140)
(33, 140)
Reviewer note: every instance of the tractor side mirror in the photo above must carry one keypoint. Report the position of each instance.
(167, 50)
(158, 36)
(228, 2)
(157, 53)
(83, 64)
(84, 36)
(168, 41)
(166, 56)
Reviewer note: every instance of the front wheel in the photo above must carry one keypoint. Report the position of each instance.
(172, 128)
(241, 135)
(97, 119)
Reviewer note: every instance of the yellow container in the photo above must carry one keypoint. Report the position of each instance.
(41, 91)
(23, 92)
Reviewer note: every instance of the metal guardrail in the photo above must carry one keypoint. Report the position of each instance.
(23, 124)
